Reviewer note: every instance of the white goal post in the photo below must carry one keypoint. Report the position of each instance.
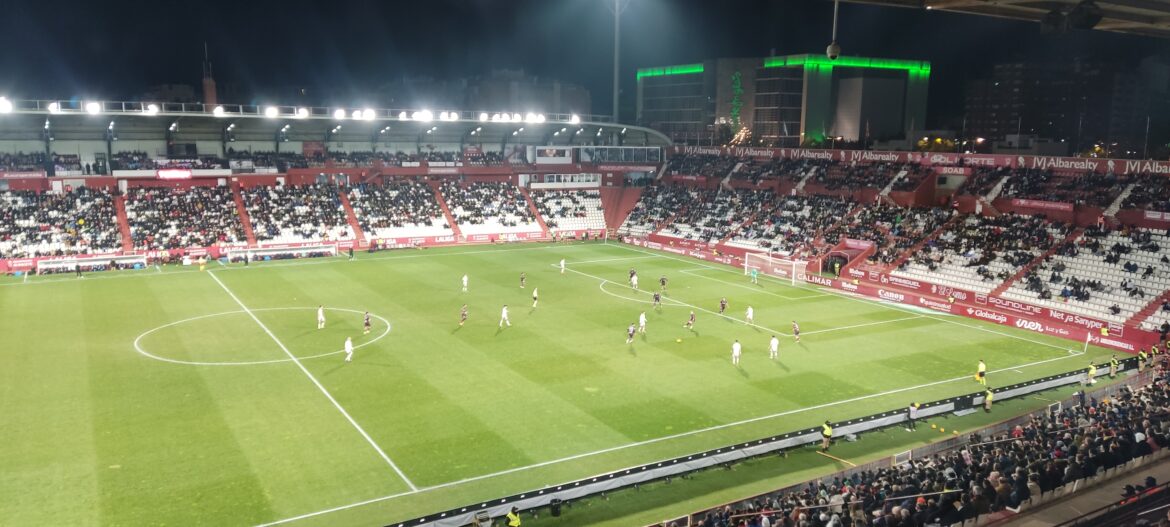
(766, 264)
(302, 251)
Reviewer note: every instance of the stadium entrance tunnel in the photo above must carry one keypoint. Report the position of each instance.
(233, 338)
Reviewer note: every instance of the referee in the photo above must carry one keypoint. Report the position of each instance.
(826, 436)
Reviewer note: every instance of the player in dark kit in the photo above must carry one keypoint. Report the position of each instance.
(796, 331)
(662, 282)
(722, 305)
(657, 300)
(366, 324)
(630, 334)
(523, 279)
(633, 273)
(463, 315)
(690, 321)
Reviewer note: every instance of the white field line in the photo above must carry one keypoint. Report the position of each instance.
(622, 259)
(874, 302)
(320, 261)
(692, 306)
(316, 382)
(652, 441)
(748, 287)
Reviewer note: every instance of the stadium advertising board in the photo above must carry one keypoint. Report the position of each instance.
(27, 174)
(1042, 205)
(1154, 215)
(554, 155)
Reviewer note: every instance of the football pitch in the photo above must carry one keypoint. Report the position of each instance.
(173, 396)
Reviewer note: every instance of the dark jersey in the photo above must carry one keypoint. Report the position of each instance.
(366, 321)
(463, 313)
(630, 331)
(662, 281)
(657, 298)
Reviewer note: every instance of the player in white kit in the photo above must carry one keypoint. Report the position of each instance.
(634, 281)
(504, 317)
(348, 349)
(534, 296)
(464, 283)
(562, 266)
(750, 316)
(774, 348)
(642, 323)
(320, 317)
(736, 349)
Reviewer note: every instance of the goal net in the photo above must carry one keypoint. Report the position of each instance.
(789, 269)
(281, 253)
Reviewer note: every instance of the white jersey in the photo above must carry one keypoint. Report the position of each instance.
(634, 281)
(775, 344)
(562, 264)
(504, 313)
(534, 295)
(464, 281)
(751, 312)
(348, 345)
(735, 349)
(642, 319)
(320, 314)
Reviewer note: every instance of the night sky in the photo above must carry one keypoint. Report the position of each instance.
(339, 52)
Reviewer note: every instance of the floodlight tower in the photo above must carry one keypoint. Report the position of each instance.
(618, 7)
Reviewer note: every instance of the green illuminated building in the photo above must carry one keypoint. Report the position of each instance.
(785, 101)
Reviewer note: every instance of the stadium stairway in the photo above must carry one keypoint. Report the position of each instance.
(618, 203)
(352, 218)
(535, 212)
(446, 210)
(999, 289)
(1154, 305)
(123, 223)
(242, 211)
(914, 249)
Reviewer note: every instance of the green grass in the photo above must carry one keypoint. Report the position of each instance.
(97, 433)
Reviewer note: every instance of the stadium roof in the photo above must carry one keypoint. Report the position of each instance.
(89, 120)
(1141, 17)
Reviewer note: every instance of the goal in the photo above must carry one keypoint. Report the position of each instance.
(281, 253)
(786, 268)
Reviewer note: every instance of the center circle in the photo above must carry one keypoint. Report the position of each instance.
(138, 347)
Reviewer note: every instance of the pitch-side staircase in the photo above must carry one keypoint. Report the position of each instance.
(351, 217)
(1154, 305)
(999, 289)
(804, 179)
(242, 212)
(446, 210)
(535, 212)
(918, 246)
(123, 223)
(1111, 211)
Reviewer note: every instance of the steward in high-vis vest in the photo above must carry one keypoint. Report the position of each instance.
(826, 436)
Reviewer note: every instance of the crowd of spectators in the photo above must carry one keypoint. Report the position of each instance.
(986, 475)
(982, 180)
(1150, 192)
(702, 164)
(841, 176)
(280, 161)
(489, 204)
(1010, 240)
(22, 162)
(1098, 190)
(79, 221)
(570, 209)
(166, 218)
(488, 158)
(657, 204)
(890, 228)
(290, 213)
(756, 170)
(794, 224)
(714, 214)
(398, 208)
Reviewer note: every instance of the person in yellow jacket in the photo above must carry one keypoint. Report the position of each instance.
(1113, 366)
(826, 436)
(1090, 377)
(513, 517)
(981, 373)
(1142, 359)
(988, 397)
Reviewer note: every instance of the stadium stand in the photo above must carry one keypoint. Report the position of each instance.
(1105, 274)
(570, 210)
(164, 218)
(979, 253)
(398, 209)
(714, 214)
(489, 208)
(841, 176)
(892, 229)
(702, 164)
(657, 204)
(1046, 456)
(756, 170)
(793, 225)
(1150, 192)
(21, 162)
(80, 221)
(290, 214)
(1090, 189)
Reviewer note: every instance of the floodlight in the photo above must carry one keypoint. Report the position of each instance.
(424, 115)
(624, 131)
(540, 117)
(54, 107)
(271, 112)
(339, 114)
(356, 115)
(368, 114)
(218, 111)
(516, 117)
(403, 116)
(5, 105)
(574, 119)
(530, 118)
(93, 108)
(516, 132)
(454, 116)
(483, 117)
(301, 113)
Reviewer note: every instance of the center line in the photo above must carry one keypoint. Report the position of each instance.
(329, 396)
